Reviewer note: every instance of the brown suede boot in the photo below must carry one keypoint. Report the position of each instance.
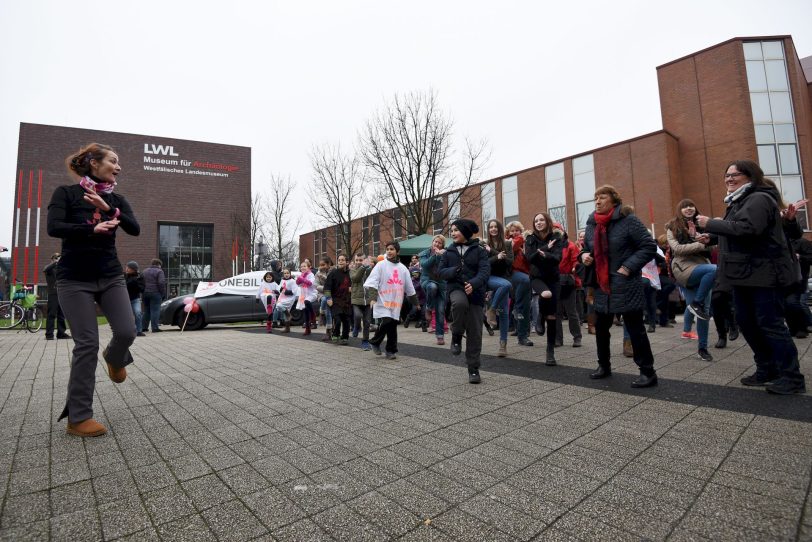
(287, 327)
(628, 351)
(86, 428)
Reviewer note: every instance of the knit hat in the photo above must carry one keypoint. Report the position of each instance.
(466, 227)
(133, 265)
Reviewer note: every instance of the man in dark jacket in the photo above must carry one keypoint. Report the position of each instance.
(135, 287)
(339, 298)
(465, 267)
(54, 310)
(154, 293)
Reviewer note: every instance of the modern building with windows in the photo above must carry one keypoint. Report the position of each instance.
(192, 200)
(746, 98)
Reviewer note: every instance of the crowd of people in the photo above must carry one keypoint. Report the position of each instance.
(746, 270)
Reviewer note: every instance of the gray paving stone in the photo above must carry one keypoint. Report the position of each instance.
(305, 529)
(233, 521)
(273, 509)
(123, 517)
(207, 491)
(72, 498)
(415, 499)
(29, 480)
(32, 532)
(221, 458)
(27, 508)
(189, 466)
(243, 479)
(151, 477)
(458, 525)
(309, 495)
(78, 525)
(168, 504)
(344, 524)
(114, 487)
(187, 529)
(503, 517)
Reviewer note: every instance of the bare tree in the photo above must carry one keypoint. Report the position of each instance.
(338, 194)
(407, 147)
(281, 224)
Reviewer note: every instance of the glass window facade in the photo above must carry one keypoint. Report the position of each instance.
(771, 104)
(488, 198)
(437, 216)
(583, 172)
(186, 253)
(556, 192)
(510, 199)
(454, 204)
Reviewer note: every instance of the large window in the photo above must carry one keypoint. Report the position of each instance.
(376, 235)
(583, 173)
(454, 206)
(437, 216)
(510, 200)
(771, 105)
(186, 252)
(488, 199)
(397, 222)
(556, 192)
(365, 234)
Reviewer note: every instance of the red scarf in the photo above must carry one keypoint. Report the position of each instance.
(601, 243)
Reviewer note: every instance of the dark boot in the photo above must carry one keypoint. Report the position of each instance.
(645, 381)
(602, 372)
(328, 336)
(721, 343)
(551, 333)
(456, 344)
(733, 332)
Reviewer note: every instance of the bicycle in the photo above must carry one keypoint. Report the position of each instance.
(22, 310)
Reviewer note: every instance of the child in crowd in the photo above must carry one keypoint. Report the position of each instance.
(465, 267)
(287, 298)
(362, 312)
(267, 292)
(387, 285)
(308, 294)
(326, 315)
(337, 291)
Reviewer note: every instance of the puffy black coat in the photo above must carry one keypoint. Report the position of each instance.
(753, 249)
(544, 267)
(472, 267)
(631, 246)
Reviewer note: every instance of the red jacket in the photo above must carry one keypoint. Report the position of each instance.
(520, 263)
(569, 259)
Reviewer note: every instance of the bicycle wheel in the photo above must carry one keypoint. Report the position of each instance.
(34, 319)
(10, 315)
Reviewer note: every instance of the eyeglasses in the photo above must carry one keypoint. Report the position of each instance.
(733, 175)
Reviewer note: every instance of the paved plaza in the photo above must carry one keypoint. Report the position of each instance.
(231, 434)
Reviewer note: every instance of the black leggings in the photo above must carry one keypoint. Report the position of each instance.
(308, 313)
(548, 307)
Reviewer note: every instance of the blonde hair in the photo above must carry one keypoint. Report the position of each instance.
(440, 237)
(514, 224)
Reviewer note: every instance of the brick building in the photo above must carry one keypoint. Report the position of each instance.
(746, 98)
(191, 199)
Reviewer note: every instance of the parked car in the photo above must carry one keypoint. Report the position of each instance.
(229, 300)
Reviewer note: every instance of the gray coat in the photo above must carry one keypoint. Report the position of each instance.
(630, 245)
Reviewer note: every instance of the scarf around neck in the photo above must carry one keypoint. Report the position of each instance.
(738, 193)
(602, 249)
(96, 186)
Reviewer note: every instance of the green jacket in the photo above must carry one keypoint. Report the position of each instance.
(358, 276)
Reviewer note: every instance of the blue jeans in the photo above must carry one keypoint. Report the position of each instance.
(136, 304)
(521, 302)
(499, 301)
(328, 314)
(435, 300)
(152, 310)
(701, 280)
(760, 315)
(701, 325)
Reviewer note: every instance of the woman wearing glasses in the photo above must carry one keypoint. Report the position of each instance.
(755, 259)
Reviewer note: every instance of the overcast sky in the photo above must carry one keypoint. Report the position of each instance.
(538, 80)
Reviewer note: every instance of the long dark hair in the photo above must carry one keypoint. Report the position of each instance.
(79, 162)
(548, 225)
(497, 243)
(679, 226)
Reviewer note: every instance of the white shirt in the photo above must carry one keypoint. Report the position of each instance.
(307, 293)
(286, 301)
(266, 289)
(393, 282)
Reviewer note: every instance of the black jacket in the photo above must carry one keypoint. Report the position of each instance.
(50, 278)
(504, 267)
(135, 285)
(544, 267)
(753, 248)
(87, 256)
(337, 287)
(631, 246)
(472, 267)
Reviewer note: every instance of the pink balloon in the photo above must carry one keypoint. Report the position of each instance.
(188, 299)
(195, 307)
(187, 308)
